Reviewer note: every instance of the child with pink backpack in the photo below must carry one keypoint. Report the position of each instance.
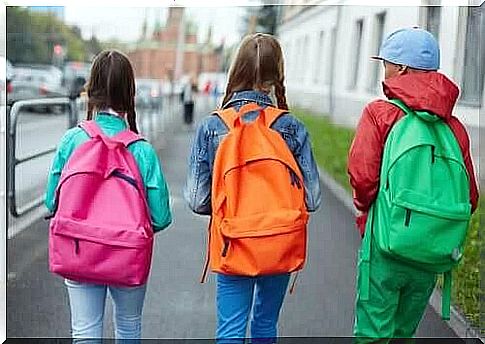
(108, 196)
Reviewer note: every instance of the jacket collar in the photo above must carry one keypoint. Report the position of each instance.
(248, 96)
(109, 120)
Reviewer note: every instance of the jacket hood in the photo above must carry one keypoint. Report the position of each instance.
(431, 91)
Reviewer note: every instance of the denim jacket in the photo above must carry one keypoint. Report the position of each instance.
(212, 130)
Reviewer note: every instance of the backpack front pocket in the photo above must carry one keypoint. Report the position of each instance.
(429, 234)
(83, 252)
(278, 246)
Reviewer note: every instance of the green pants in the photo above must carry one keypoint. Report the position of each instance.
(397, 298)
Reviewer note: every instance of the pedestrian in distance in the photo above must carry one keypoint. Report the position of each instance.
(188, 99)
(252, 169)
(108, 196)
(413, 182)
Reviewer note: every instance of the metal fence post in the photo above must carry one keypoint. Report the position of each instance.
(73, 114)
(13, 161)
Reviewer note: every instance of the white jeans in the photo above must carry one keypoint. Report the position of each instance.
(87, 310)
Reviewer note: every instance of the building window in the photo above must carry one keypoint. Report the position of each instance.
(287, 54)
(472, 80)
(296, 60)
(356, 52)
(318, 57)
(433, 20)
(375, 81)
(304, 69)
(330, 57)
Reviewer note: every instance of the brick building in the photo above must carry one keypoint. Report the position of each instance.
(156, 57)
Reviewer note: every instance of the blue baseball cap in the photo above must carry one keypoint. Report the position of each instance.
(412, 47)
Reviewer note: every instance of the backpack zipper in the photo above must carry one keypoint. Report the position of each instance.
(130, 180)
(226, 246)
(76, 244)
(408, 217)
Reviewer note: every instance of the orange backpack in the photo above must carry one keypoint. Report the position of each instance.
(259, 218)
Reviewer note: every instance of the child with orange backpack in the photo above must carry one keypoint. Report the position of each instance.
(252, 169)
(107, 195)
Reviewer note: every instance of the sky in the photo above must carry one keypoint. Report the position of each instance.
(125, 23)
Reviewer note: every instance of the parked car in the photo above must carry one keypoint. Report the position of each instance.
(148, 93)
(36, 81)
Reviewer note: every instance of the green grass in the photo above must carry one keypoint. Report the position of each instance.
(331, 144)
(466, 278)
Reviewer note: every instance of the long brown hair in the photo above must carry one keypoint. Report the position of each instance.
(258, 65)
(111, 84)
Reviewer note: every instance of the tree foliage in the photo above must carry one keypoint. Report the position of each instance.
(262, 18)
(31, 37)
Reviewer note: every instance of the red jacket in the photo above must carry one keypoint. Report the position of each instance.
(430, 91)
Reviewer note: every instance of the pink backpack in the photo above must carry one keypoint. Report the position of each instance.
(101, 230)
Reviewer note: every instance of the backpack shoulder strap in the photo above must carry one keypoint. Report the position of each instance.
(228, 116)
(127, 137)
(91, 128)
(400, 104)
(271, 114)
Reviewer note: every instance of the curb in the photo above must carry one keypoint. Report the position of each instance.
(457, 322)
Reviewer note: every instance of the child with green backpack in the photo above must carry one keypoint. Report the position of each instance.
(413, 180)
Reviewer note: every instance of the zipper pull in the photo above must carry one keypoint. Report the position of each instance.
(226, 246)
(408, 217)
(76, 244)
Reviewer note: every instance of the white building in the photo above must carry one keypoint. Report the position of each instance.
(327, 50)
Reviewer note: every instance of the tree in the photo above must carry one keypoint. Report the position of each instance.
(31, 37)
(93, 46)
(24, 45)
(260, 19)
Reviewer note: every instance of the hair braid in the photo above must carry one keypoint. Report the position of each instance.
(228, 94)
(131, 118)
(280, 93)
(89, 115)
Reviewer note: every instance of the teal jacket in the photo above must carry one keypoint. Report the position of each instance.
(148, 163)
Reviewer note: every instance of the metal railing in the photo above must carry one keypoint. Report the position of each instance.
(154, 124)
(13, 114)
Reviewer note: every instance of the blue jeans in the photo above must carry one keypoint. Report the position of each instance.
(238, 295)
(87, 310)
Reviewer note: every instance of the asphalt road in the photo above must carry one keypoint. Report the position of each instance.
(177, 305)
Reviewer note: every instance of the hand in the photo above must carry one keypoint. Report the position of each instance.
(360, 222)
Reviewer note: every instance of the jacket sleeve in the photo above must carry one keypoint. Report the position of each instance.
(157, 192)
(197, 191)
(53, 178)
(364, 160)
(62, 154)
(304, 157)
(464, 142)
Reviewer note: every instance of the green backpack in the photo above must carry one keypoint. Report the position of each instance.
(422, 209)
